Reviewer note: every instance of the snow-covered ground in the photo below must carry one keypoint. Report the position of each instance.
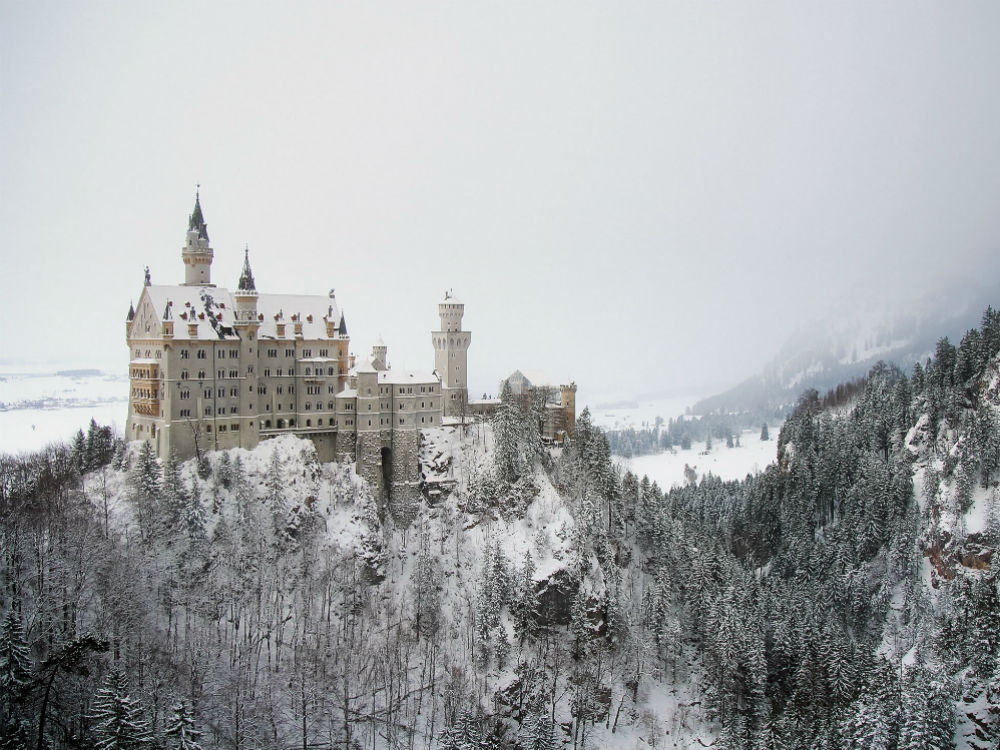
(43, 405)
(620, 414)
(751, 456)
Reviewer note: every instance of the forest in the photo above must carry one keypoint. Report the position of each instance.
(847, 597)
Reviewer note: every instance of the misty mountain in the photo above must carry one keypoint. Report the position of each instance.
(845, 344)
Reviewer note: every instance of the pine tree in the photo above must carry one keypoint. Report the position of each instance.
(508, 457)
(120, 724)
(524, 606)
(181, 731)
(144, 480)
(15, 662)
(763, 433)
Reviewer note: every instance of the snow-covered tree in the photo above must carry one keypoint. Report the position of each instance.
(181, 732)
(119, 723)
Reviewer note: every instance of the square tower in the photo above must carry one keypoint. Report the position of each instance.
(451, 347)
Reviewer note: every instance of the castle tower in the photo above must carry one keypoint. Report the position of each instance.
(247, 324)
(379, 352)
(196, 253)
(567, 400)
(451, 347)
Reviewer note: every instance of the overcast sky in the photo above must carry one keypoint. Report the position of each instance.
(638, 196)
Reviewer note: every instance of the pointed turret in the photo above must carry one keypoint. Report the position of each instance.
(131, 313)
(196, 222)
(197, 254)
(246, 278)
(167, 312)
(342, 328)
(245, 295)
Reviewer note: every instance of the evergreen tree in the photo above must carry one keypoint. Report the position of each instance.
(524, 606)
(15, 658)
(181, 731)
(509, 459)
(119, 721)
(763, 433)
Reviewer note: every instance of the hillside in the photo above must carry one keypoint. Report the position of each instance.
(845, 597)
(848, 342)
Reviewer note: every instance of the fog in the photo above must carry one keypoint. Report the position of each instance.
(640, 197)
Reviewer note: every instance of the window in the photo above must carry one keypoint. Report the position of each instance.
(272, 353)
(185, 395)
(324, 352)
(185, 353)
(184, 374)
(267, 372)
(232, 409)
(208, 393)
(291, 389)
(185, 412)
(201, 374)
(329, 371)
(208, 412)
(222, 392)
(308, 371)
(280, 389)
(201, 354)
(307, 352)
(221, 374)
(289, 352)
(234, 427)
(222, 428)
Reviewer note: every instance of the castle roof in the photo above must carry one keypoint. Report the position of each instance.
(246, 283)
(197, 219)
(406, 377)
(214, 310)
(211, 308)
(310, 309)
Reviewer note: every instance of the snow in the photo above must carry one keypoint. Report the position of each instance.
(38, 407)
(752, 456)
(618, 414)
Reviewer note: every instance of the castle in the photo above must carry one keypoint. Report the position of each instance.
(212, 369)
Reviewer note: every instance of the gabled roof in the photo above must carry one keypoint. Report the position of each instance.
(211, 308)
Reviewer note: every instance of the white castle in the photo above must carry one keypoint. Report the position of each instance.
(212, 369)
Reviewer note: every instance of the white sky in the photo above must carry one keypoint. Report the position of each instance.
(635, 195)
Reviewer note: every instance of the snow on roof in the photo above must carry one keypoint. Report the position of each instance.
(348, 393)
(365, 367)
(211, 308)
(400, 377)
(311, 310)
(144, 361)
(532, 379)
(318, 359)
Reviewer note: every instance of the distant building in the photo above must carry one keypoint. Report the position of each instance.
(558, 399)
(212, 369)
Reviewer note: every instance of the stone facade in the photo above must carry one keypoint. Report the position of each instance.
(212, 369)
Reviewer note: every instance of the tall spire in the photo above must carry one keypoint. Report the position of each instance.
(343, 325)
(197, 219)
(246, 278)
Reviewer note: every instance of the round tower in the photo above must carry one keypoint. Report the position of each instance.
(451, 347)
(196, 253)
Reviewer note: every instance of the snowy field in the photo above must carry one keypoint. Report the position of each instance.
(667, 469)
(39, 405)
(620, 414)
